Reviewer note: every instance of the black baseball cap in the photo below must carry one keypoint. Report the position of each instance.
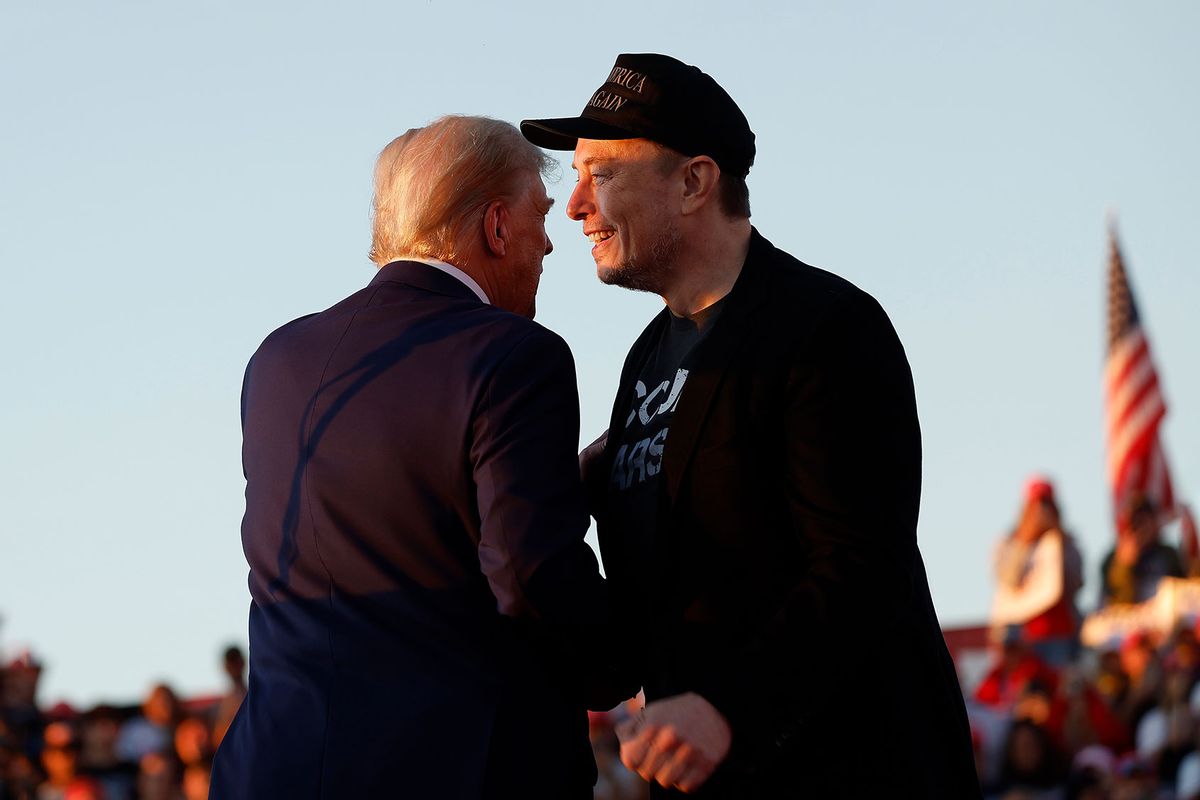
(656, 97)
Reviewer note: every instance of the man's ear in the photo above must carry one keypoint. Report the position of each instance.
(701, 175)
(495, 228)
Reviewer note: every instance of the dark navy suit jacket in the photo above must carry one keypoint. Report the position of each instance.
(414, 528)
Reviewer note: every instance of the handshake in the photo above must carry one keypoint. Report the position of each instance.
(678, 741)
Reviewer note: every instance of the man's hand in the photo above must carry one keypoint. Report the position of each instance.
(678, 741)
(589, 456)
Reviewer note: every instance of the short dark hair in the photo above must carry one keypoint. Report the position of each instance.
(734, 195)
(732, 192)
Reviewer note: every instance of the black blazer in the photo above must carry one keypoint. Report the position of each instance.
(790, 591)
(414, 528)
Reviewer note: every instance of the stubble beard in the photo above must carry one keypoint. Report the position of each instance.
(651, 272)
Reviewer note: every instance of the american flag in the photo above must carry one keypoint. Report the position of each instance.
(1134, 404)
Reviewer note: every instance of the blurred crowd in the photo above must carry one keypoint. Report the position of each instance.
(160, 750)
(1052, 720)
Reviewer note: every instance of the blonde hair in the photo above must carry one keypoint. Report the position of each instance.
(432, 184)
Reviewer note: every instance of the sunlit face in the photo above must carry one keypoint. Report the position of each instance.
(160, 706)
(59, 763)
(529, 244)
(192, 741)
(1039, 516)
(624, 198)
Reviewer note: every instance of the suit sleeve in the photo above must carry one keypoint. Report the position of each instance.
(528, 490)
(851, 479)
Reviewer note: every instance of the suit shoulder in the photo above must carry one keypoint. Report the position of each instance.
(312, 324)
(520, 327)
(278, 339)
(505, 326)
(804, 291)
(503, 340)
(532, 338)
(820, 286)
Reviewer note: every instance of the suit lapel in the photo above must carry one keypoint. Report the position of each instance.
(710, 362)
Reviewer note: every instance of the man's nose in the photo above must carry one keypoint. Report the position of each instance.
(549, 245)
(580, 202)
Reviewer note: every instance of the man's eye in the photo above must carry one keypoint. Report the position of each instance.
(600, 177)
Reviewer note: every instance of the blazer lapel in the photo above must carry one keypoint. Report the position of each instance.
(710, 362)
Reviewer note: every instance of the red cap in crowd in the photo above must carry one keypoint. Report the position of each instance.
(1039, 488)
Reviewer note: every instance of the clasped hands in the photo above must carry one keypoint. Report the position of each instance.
(678, 741)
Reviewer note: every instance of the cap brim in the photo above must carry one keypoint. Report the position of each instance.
(562, 134)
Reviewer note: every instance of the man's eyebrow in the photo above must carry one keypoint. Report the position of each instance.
(587, 162)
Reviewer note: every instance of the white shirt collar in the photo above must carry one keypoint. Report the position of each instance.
(454, 272)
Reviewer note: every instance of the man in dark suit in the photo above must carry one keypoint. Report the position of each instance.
(757, 493)
(414, 517)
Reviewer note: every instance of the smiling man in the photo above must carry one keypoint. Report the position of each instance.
(756, 496)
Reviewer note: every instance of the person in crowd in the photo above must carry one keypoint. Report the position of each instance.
(1189, 541)
(22, 778)
(756, 495)
(1112, 682)
(233, 662)
(1131, 571)
(1078, 717)
(1039, 570)
(196, 778)
(1134, 779)
(1016, 668)
(1183, 649)
(60, 760)
(158, 777)
(193, 741)
(85, 788)
(414, 515)
(1091, 775)
(1166, 732)
(1031, 764)
(99, 728)
(154, 730)
(21, 677)
(7, 752)
(1142, 664)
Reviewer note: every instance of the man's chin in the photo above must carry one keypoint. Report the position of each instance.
(630, 277)
(608, 275)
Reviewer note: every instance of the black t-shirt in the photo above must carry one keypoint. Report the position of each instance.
(635, 482)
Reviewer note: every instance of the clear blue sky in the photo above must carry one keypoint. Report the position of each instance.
(176, 180)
